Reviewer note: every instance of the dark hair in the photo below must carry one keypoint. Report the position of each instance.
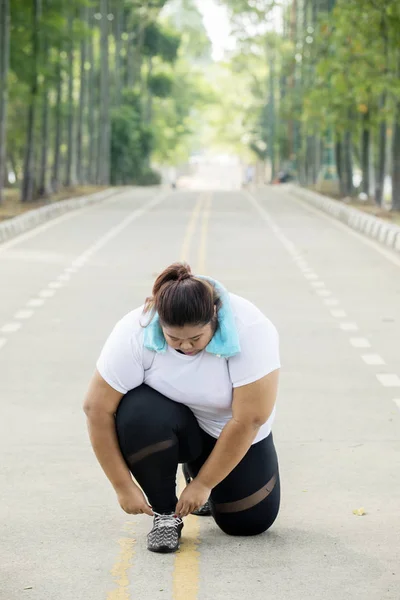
(181, 299)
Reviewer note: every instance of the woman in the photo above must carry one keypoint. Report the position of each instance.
(189, 378)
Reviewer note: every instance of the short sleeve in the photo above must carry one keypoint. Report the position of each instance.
(120, 362)
(259, 354)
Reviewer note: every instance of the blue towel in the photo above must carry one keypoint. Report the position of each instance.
(225, 342)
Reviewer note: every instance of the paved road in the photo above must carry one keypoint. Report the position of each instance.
(335, 298)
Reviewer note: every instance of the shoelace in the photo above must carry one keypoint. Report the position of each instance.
(166, 520)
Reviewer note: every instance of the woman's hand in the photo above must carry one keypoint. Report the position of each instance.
(193, 497)
(133, 501)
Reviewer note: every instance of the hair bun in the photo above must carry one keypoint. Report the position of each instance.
(183, 272)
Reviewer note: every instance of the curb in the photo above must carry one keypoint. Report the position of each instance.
(32, 218)
(373, 227)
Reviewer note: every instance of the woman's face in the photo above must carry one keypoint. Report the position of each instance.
(190, 339)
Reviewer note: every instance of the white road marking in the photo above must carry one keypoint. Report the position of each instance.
(35, 302)
(10, 327)
(55, 285)
(37, 230)
(331, 302)
(386, 379)
(389, 379)
(23, 314)
(318, 284)
(349, 326)
(360, 342)
(64, 277)
(362, 238)
(47, 293)
(373, 359)
(71, 269)
(397, 402)
(338, 314)
(3, 342)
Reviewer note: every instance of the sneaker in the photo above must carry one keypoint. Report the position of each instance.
(203, 511)
(165, 535)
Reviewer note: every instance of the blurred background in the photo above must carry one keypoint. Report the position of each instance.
(199, 94)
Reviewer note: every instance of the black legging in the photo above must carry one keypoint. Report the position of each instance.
(155, 434)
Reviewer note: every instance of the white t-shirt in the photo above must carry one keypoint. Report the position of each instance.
(203, 382)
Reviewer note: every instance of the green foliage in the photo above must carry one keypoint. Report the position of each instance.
(160, 41)
(160, 85)
(148, 177)
(131, 144)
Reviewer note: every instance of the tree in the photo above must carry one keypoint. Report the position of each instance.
(28, 184)
(4, 67)
(103, 164)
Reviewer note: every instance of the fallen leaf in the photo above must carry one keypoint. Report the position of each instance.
(359, 512)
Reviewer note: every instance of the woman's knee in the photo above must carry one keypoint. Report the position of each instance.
(253, 520)
(245, 525)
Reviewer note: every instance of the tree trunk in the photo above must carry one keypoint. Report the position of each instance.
(381, 166)
(148, 102)
(396, 161)
(130, 61)
(365, 148)
(91, 174)
(103, 165)
(58, 131)
(272, 117)
(118, 49)
(80, 171)
(69, 177)
(28, 184)
(4, 66)
(348, 164)
(339, 165)
(44, 187)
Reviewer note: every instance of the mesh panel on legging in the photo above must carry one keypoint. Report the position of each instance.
(247, 501)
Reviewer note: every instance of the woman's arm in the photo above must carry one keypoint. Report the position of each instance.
(100, 406)
(251, 407)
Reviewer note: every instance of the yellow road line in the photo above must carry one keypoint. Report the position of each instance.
(121, 568)
(186, 574)
(186, 571)
(201, 259)
(187, 240)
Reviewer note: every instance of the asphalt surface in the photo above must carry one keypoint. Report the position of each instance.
(335, 299)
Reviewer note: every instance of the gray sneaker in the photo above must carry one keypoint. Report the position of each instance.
(203, 511)
(165, 535)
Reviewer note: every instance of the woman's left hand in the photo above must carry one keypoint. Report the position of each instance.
(193, 497)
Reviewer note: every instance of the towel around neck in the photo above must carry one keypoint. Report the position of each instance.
(225, 341)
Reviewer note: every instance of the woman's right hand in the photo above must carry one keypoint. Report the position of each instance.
(133, 501)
